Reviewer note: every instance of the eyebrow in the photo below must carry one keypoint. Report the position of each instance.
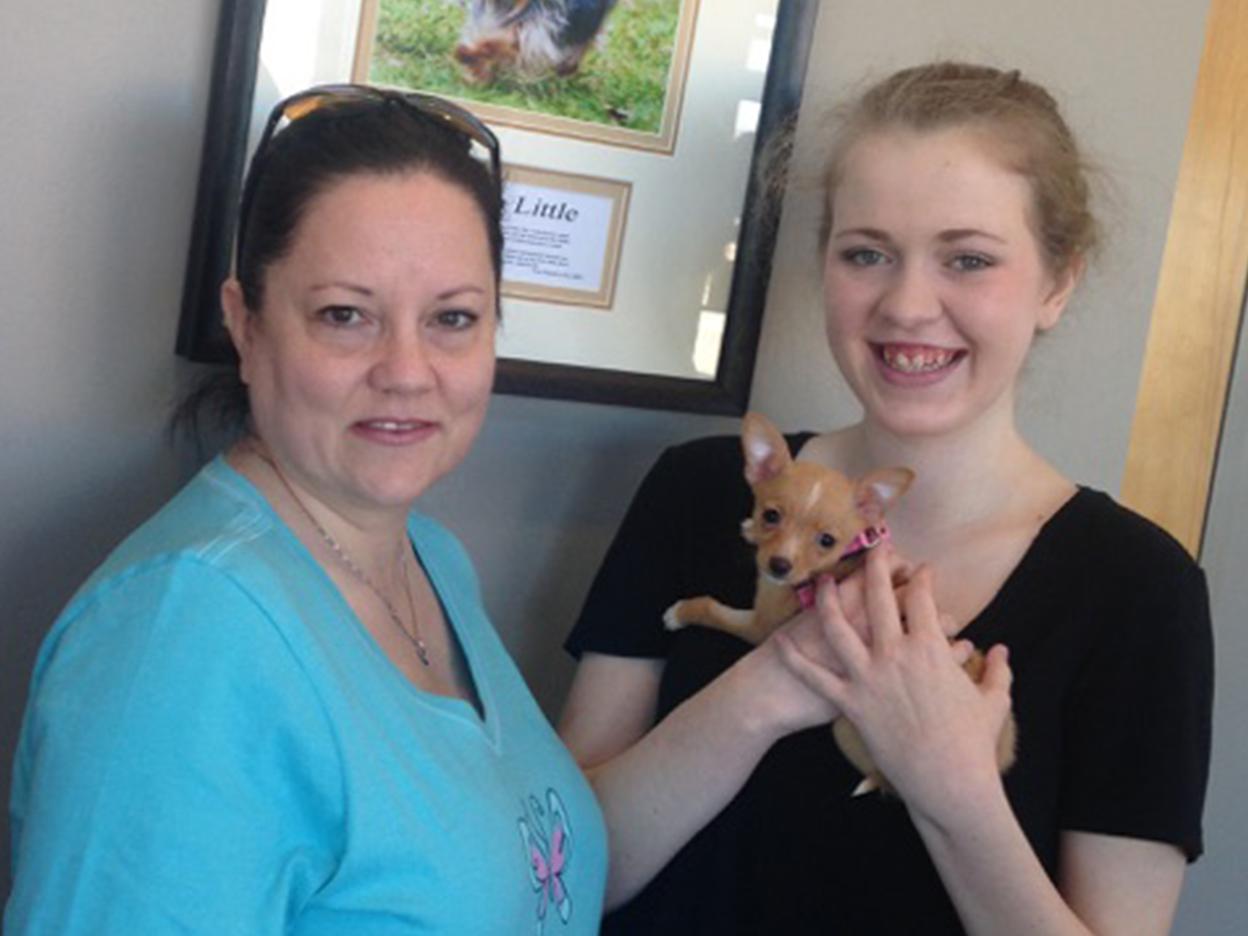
(870, 233)
(341, 284)
(466, 288)
(368, 293)
(957, 234)
(950, 236)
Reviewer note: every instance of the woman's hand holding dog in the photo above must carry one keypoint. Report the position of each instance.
(786, 697)
(931, 730)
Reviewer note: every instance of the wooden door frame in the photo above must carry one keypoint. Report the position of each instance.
(1199, 302)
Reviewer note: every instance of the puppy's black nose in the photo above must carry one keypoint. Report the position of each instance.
(779, 566)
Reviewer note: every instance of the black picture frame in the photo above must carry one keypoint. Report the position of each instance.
(201, 334)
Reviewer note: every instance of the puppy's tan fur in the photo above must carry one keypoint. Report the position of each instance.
(805, 517)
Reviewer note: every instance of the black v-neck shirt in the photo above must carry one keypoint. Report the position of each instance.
(1107, 622)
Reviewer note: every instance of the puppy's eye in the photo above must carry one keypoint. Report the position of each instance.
(771, 516)
(826, 540)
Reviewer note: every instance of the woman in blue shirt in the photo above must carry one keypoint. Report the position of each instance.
(279, 707)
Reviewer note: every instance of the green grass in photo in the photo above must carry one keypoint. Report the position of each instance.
(622, 80)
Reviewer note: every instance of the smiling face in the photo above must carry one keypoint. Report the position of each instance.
(370, 364)
(934, 281)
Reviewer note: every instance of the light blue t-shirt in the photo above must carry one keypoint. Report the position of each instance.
(214, 744)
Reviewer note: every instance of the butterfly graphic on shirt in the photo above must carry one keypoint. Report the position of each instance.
(546, 837)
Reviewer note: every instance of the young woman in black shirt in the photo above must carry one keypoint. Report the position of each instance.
(956, 228)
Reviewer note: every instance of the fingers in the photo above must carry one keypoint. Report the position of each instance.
(902, 569)
(817, 679)
(845, 642)
(883, 616)
(962, 651)
(998, 677)
(922, 617)
(849, 597)
(806, 632)
(905, 572)
(996, 682)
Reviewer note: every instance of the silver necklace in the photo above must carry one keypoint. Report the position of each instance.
(413, 638)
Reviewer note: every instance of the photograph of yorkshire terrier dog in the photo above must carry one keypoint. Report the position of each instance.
(528, 38)
(809, 522)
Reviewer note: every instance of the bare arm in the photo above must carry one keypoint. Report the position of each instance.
(1108, 885)
(658, 787)
(610, 706)
(1121, 885)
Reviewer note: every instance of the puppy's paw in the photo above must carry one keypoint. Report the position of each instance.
(868, 785)
(672, 620)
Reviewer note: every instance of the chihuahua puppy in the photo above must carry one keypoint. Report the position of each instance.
(809, 522)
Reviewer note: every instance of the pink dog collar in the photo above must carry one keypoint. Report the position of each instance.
(867, 539)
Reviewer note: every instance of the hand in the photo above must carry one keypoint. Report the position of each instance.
(851, 592)
(782, 701)
(931, 730)
(791, 701)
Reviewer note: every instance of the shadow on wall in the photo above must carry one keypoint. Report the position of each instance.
(47, 557)
(103, 199)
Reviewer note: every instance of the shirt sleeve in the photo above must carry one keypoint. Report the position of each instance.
(641, 574)
(176, 771)
(1136, 761)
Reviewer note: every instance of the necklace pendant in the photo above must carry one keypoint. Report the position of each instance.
(413, 638)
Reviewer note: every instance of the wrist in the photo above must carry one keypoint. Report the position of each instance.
(761, 694)
(966, 814)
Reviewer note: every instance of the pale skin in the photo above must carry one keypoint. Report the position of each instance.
(369, 368)
(935, 287)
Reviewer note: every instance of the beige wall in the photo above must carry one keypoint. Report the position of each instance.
(104, 107)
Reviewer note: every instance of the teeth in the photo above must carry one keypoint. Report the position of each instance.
(389, 426)
(919, 361)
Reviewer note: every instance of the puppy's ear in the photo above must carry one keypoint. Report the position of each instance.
(877, 491)
(766, 452)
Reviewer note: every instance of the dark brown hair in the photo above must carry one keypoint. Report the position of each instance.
(364, 137)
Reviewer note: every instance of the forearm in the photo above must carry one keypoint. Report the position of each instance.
(991, 873)
(658, 793)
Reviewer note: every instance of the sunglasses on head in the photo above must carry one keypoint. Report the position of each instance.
(285, 112)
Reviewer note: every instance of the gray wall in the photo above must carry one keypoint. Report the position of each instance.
(1214, 900)
(104, 109)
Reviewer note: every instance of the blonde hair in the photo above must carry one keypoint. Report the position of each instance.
(1018, 117)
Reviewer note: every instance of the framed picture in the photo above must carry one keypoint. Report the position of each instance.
(674, 316)
(619, 79)
(562, 236)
